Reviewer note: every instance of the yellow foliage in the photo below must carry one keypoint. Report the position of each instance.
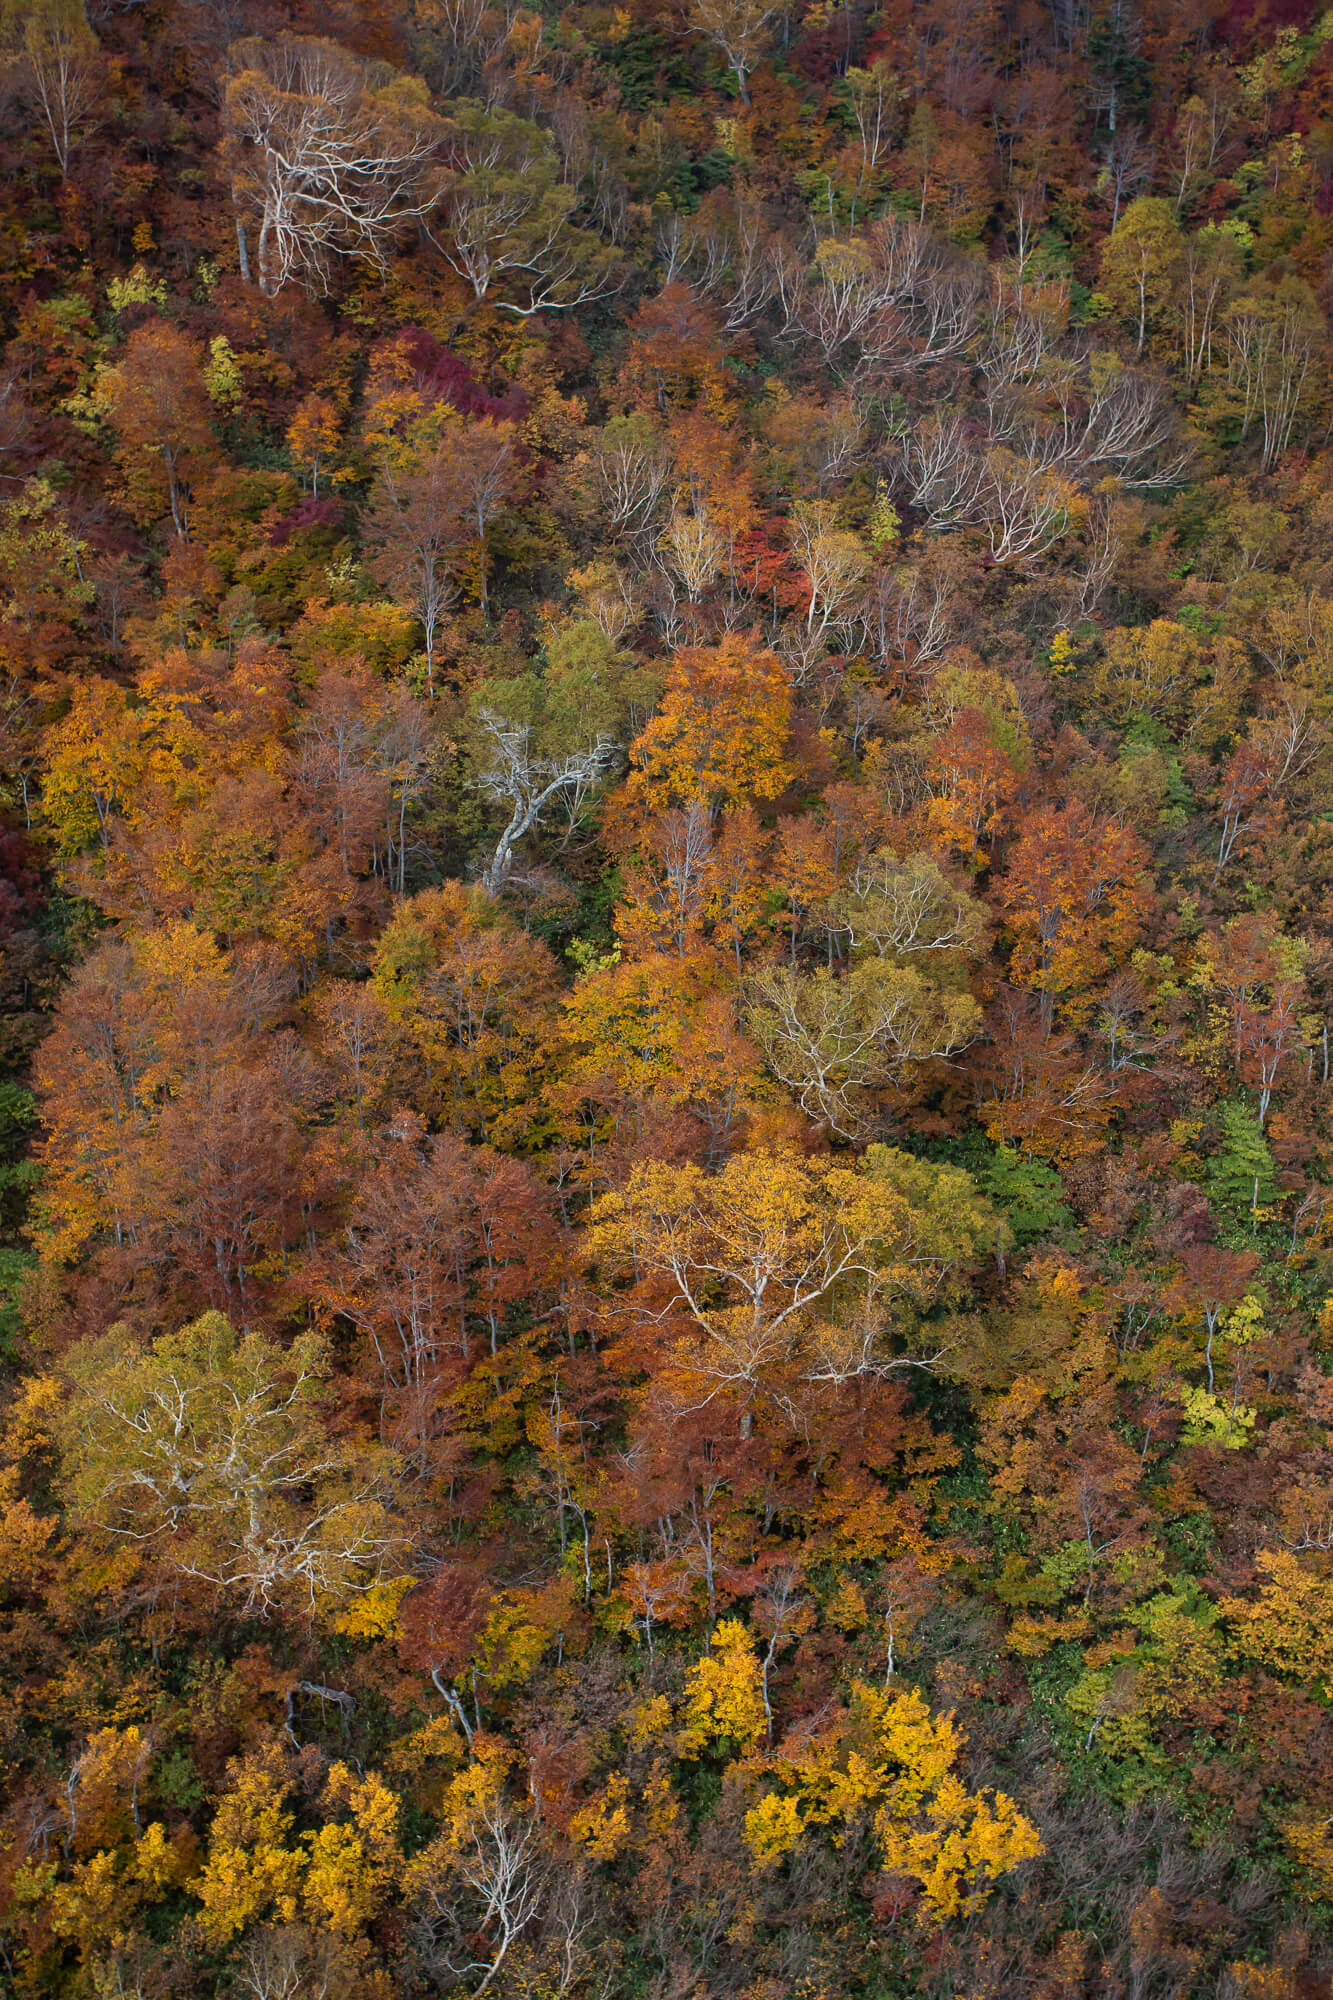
(31, 1420)
(518, 1631)
(1165, 673)
(1311, 1841)
(1032, 1638)
(24, 1536)
(250, 1870)
(108, 759)
(339, 1891)
(436, 1738)
(649, 1720)
(351, 1866)
(99, 1903)
(476, 1787)
(1288, 1628)
(753, 1249)
(967, 1841)
(96, 1906)
(889, 1755)
(774, 1827)
(723, 1693)
(340, 1872)
(106, 1777)
(847, 1610)
(1210, 1419)
(374, 1614)
(661, 1808)
(1060, 654)
(156, 1863)
(627, 1023)
(1264, 1982)
(602, 1826)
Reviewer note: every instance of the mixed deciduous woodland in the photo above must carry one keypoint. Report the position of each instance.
(666, 968)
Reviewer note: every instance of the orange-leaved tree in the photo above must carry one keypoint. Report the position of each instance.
(1075, 895)
(723, 733)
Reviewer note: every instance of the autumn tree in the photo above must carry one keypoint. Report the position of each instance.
(507, 218)
(886, 1752)
(542, 745)
(741, 30)
(159, 409)
(835, 1040)
(330, 156)
(414, 531)
(1036, 1088)
(45, 578)
(482, 1882)
(1075, 898)
(471, 996)
(1274, 342)
(210, 1453)
(780, 1268)
(313, 436)
(1138, 263)
(722, 735)
(906, 910)
(60, 69)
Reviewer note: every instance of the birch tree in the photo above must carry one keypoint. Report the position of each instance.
(331, 156)
(212, 1452)
(507, 219)
(60, 69)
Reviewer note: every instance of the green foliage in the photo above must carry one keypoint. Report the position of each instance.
(1030, 1194)
(1241, 1175)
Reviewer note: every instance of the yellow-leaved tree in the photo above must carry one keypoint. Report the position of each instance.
(209, 1456)
(779, 1270)
(1288, 1627)
(724, 1701)
(887, 1755)
(257, 1869)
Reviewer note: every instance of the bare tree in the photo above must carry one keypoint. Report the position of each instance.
(1025, 508)
(289, 1962)
(1211, 265)
(898, 908)
(1275, 345)
(1024, 331)
(531, 780)
(725, 252)
(835, 563)
(457, 39)
(630, 478)
(212, 1451)
(944, 471)
(331, 156)
(835, 1042)
(1088, 415)
(908, 614)
(1276, 750)
(486, 468)
(479, 1890)
(1129, 165)
(874, 97)
(893, 297)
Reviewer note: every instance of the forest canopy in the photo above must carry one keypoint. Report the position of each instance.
(666, 961)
